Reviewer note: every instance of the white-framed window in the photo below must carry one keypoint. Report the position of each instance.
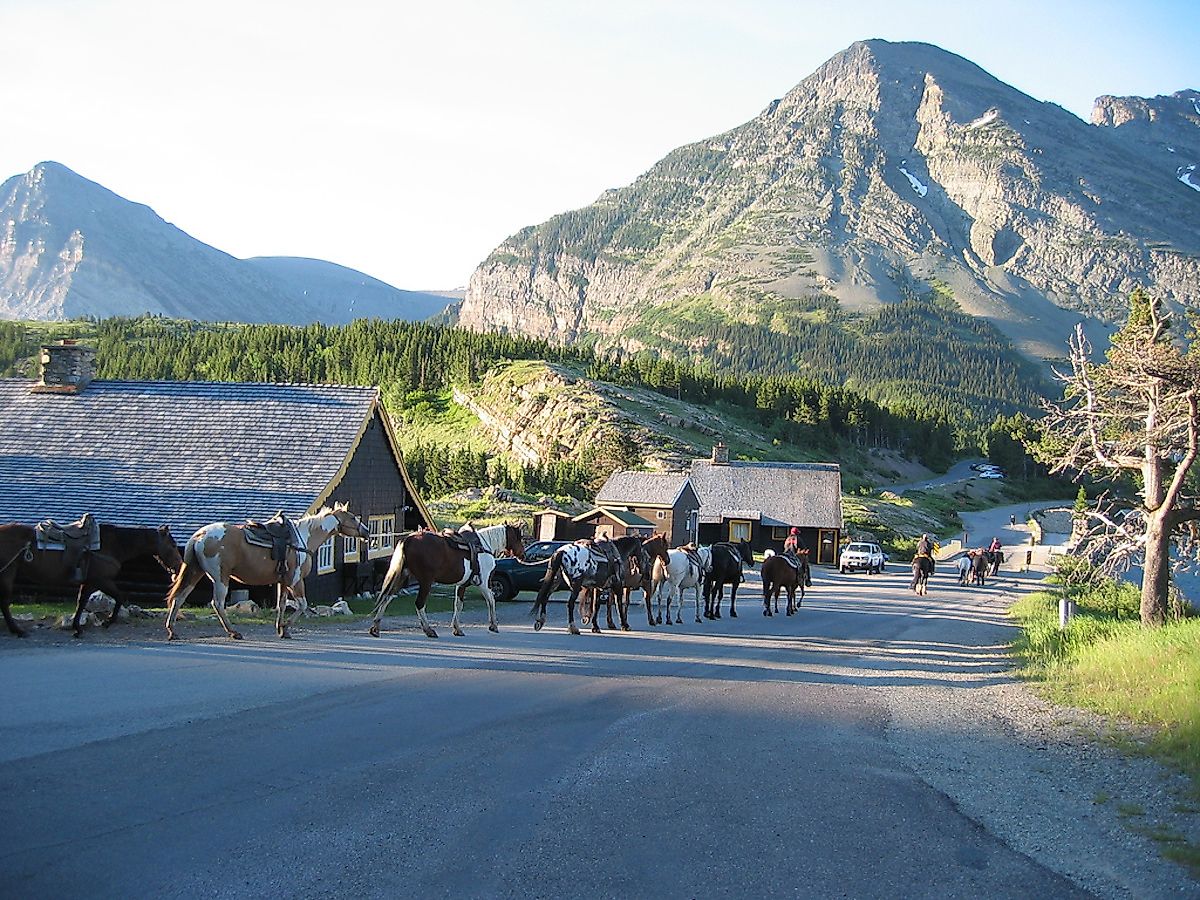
(382, 536)
(661, 514)
(350, 549)
(325, 557)
(739, 530)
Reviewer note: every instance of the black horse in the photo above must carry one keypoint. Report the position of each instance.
(728, 558)
(922, 568)
(581, 566)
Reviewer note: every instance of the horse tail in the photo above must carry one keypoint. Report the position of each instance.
(395, 571)
(549, 581)
(181, 577)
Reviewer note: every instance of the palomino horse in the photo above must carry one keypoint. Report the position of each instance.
(681, 572)
(428, 557)
(581, 566)
(221, 552)
(787, 573)
(638, 573)
(922, 568)
(118, 545)
(727, 560)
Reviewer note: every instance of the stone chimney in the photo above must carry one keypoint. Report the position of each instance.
(67, 368)
(720, 454)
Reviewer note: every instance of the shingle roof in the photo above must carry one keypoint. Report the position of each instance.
(624, 516)
(808, 494)
(180, 453)
(643, 488)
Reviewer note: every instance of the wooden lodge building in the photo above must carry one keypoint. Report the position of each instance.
(185, 454)
(719, 500)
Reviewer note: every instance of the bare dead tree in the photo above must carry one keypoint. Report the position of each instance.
(1135, 414)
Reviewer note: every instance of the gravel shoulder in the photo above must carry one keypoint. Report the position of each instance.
(1048, 780)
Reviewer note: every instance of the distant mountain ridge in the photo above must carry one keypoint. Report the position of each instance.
(70, 248)
(893, 169)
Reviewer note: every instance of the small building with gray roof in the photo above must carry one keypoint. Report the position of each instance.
(736, 500)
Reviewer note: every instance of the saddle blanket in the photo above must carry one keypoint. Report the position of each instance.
(52, 536)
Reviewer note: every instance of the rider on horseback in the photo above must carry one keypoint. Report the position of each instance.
(791, 546)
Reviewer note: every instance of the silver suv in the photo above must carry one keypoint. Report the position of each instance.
(860, 555)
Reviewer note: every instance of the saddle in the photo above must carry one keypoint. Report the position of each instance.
(603, 552)
(693, 557)
(76, 540)
(277, 533)
(466, 541)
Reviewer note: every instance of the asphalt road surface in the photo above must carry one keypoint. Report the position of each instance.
(746, 757)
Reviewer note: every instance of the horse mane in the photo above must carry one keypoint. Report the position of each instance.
(494, 537)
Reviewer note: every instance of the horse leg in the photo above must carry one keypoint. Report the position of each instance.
(571, 626)
(485, 578)
(459, 592)
(6, 603)
(187, 581)
(422, 596)
(297, 592)
(623, 608)
(656, 599)
(614, 596)
(220, 593)
(696, 597)
(280, 605)
(80, 603)
(733, 599)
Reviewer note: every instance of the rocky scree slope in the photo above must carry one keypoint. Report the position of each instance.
(892, 165)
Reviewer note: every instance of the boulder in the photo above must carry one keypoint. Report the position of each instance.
(246, 608)
(323, 611)
(88, 618)
(342, 608)
(100, 602)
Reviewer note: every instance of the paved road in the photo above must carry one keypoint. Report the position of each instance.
(746, 757)
(960, 471)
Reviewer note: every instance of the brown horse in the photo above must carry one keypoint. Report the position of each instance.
(221, 552)
(118, 545)
(778, 573)
(639, 573)
(428, 557)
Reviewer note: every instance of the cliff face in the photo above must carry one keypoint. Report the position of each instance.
(891, 165)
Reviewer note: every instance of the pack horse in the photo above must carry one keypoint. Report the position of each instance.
(430, 557)
(222, 552)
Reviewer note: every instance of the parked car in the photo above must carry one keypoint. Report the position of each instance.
(511, 576)
(862, 555)
(991, 474)
(542, 550)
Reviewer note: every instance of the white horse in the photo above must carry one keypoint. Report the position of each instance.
(681, 573)
(428, 557)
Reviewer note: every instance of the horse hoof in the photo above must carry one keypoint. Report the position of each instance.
(77, 634)
(732, 614)
(235, 635)
(574, 629)
(172, 636)
(493, 629)
(373, 631)
(287, 635)
(458, 632)
(626, 628)
(537, 626)
(678, 620)
(430, 633)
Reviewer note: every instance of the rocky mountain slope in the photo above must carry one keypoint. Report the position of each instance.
(69, 248)
(892, 167)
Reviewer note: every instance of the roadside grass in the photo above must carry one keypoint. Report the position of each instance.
(1106, 661)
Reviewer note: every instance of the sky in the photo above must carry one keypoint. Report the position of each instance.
(407, 140)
